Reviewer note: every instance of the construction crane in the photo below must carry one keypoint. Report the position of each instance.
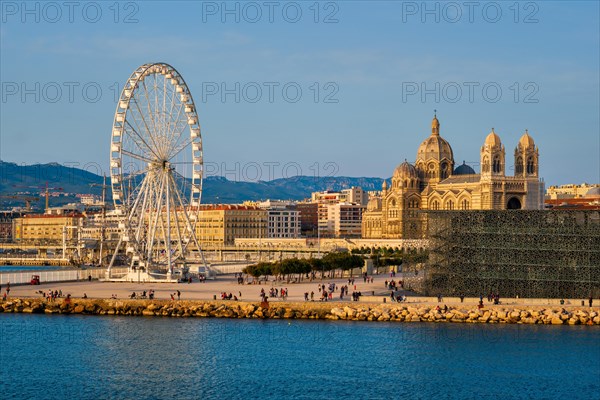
(27, 199)
(104, 186)
(46, 194)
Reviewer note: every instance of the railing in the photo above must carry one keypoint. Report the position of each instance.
(34, 260)
(24, 278)
(221, 269)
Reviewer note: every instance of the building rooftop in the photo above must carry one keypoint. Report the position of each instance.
(466, 178)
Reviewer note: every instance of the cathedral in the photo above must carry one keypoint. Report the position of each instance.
(433, 182)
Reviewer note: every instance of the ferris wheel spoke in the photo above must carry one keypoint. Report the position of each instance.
(131, 145)
(151, 115)
(158, 114)
(136, 156)
(172, 132)
(172, 123)
(144, 146)
(131, 177)
(173, 97)
(178, 149)
(156, 149)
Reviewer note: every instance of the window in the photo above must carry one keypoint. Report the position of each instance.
(519, 166)
(497, 166)
(464, 204)
(485, 167)
(530, 165)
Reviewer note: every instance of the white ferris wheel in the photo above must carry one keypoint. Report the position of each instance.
(156, 167)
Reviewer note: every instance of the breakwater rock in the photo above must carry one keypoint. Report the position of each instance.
(308, 310)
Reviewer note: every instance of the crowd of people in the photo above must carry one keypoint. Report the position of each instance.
(51, 295)
(230, 296)
(143, 295)
(274, 293)
(399, 298)
(491, 297)
(393, 285)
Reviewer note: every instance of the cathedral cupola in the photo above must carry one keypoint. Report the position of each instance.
(492, 156)
(526, 157)
(435, 159)
(435, 126)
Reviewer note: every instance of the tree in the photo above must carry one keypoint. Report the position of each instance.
(294, 266)
(258, 270)
(343, 261)
(317, 265)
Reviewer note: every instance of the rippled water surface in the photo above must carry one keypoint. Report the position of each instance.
(25, 268)
(79, 357)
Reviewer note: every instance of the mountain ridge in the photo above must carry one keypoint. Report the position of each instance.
(31, 180)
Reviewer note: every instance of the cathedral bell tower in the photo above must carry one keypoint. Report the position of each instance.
(526, 157)
(492, 156)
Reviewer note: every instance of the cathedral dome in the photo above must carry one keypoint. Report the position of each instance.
(463, 169)
(595, 191)
(492, 140)
(374, 204)
(405, 170)
(435, 147)
(526, 141)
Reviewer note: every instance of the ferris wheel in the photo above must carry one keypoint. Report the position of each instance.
(156, 168)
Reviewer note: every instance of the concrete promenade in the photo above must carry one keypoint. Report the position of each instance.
(251, 292)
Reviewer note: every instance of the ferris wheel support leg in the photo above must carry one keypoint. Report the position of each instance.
(112, 260)
(169, 260)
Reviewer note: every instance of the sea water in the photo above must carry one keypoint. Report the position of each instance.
(25, 268)
(91, 357)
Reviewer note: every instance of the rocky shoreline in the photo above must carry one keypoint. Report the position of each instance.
(310, 310)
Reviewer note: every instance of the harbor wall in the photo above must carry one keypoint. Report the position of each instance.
(589, 316)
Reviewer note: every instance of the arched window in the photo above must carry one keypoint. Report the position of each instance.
(450, 205)
(519, 166)
(435, 205)
(530, 165)
(496, 166)
(464, 204)
(444, 171)
(485, 167)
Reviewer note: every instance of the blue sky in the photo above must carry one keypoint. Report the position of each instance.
(370, 60)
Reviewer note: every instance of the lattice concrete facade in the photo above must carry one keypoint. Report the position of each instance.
(525, 253)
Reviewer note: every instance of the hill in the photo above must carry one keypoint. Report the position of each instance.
(31, 180)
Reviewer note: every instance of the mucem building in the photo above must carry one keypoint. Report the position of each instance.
(525, 253)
